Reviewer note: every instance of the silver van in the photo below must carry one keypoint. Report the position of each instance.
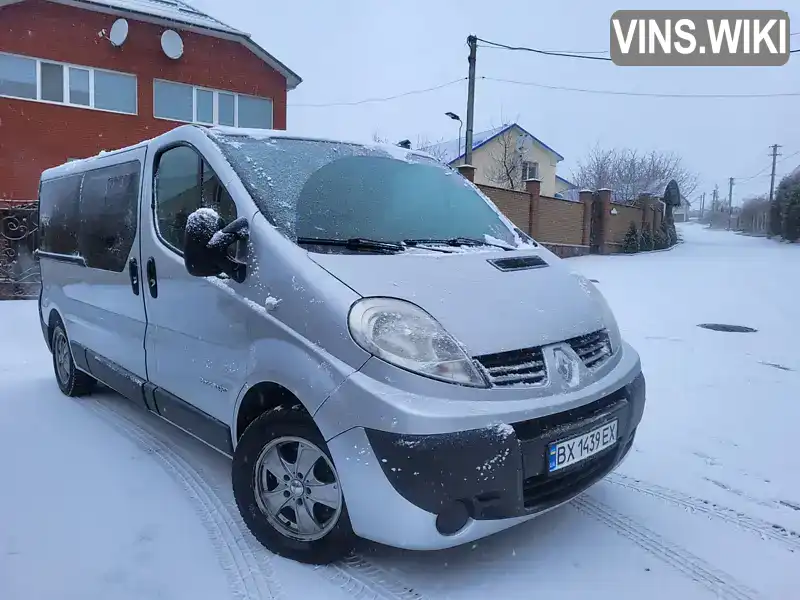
(380, 351)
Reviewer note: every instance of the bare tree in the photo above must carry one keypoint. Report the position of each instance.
(630, 173)
(378, 138)
(435, 149)
(753, 215)
(506, 160)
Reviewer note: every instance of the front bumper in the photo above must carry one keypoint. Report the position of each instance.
(498, 475)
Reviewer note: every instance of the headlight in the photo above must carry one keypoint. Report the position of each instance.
(406, 336)
(609, 320)
(614, 335)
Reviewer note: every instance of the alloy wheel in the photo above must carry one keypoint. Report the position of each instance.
(297, 489)
(62, 356)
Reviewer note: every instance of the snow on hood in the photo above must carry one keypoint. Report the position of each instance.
(486, 309)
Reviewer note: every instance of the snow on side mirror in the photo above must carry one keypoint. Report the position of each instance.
(206, 241)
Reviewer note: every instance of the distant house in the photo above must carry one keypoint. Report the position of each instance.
(566, 189)
(505, 157)
(680, 214)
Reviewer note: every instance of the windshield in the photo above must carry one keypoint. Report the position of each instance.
(334, 190)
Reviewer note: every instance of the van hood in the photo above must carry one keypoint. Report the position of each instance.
(484, 308)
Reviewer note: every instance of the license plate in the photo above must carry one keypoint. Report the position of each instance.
(566, 453)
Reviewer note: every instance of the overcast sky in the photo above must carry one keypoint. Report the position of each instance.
(350, 50)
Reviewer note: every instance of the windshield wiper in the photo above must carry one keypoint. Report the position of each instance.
(456, 241)
(354, 244)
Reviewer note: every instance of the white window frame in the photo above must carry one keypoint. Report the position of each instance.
(195, 89)
(526, 170)
(66, 67)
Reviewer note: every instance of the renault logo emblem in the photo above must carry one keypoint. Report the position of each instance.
(567, 367)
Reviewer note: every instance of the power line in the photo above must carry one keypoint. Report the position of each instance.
(384, 99)
(559, 52)
(641, 94)
(762, 173)
(545, 52)
(788, 156)
(564, 53)
(746, 179)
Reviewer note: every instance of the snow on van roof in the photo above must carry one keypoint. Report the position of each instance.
(82, 164)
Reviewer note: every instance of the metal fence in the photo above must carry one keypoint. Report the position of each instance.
(19, 270)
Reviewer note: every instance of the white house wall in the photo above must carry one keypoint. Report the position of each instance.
(483, 161)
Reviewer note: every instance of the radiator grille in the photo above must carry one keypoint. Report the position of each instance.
(517, 367)
(593, 349)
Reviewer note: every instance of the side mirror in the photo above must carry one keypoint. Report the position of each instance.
(206, 243)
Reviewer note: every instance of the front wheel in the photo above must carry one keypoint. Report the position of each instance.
(288, 491)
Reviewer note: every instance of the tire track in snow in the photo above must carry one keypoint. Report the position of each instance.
(248, 578)
(356, 576)
(763, 529)
(362, 580)
(718, 582)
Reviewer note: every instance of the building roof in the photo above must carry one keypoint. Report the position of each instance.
(451, 151)
(174, 13)
(567, 181)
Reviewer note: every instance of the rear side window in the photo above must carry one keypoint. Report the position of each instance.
(59, 215)
(109, 215)
(185, 182)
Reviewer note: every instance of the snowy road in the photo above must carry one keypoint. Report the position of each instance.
(99, 500)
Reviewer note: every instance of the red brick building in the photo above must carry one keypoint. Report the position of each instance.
(69, 89)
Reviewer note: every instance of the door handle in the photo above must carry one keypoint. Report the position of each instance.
(133, 271)
(152, 279)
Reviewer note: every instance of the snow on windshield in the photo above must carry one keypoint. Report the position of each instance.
(325, 189)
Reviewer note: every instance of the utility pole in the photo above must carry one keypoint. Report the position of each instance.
(702, 205)
(730, 202)
(472, 41)
(772, 188)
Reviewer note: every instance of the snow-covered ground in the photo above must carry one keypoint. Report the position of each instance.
(100, 500)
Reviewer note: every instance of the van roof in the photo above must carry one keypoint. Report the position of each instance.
(84, 164)
(79, 165)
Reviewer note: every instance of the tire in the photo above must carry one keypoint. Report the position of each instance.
(265, 451)
(71, 381)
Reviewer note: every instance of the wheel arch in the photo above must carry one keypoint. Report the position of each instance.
(285, 372)
(53, 319)
(260, 398)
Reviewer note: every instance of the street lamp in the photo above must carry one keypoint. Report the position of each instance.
(455, 117)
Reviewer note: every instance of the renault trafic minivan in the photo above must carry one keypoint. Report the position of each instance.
(380, 351)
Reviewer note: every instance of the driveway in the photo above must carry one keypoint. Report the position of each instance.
(100, 500)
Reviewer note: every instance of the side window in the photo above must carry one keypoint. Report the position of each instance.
(185, 182)
(59, 215)
(109, 215)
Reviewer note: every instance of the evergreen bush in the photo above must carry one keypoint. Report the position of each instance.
(647, 239)
(791, 216)
(631, 243)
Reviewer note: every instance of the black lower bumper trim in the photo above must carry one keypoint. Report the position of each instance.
(500, 472)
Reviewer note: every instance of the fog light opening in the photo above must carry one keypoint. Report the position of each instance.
(453, 518)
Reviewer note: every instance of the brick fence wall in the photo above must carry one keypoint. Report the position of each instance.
(515, 205)
(564, 226)
(560, 221)
(620, 222)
